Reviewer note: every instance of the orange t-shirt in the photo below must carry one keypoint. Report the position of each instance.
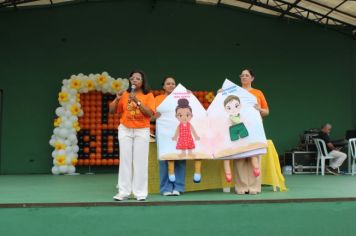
(261, 100)
(131, 115)
(159, 99)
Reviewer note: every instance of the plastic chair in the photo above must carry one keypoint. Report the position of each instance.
(352, 153)
(323, 154)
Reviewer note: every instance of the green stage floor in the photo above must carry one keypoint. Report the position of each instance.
(100, 188)
(314, 205)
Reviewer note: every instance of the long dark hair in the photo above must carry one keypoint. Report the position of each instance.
(145, 88)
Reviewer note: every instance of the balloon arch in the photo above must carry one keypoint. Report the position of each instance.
(64, 139)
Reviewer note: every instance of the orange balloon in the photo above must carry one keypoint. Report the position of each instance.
(110, 162)
(92, 162)
(86, 162)
(116, 162)
(86, 150)
(104, 162)
(98, 162)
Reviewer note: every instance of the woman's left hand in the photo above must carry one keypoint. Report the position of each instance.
(258, 108)
(133, 97)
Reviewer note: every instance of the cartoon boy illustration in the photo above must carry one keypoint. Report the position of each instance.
(237, 129)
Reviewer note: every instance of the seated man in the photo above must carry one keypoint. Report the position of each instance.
(339, 157)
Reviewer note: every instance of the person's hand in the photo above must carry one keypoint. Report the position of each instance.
(174, 138)
(197, 138)
(258, 108)
(133, 97)
(220, 90)
(157, 115)
(119, 94)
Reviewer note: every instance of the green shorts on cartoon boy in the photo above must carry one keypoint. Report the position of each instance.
(237, 129)
(232, 106)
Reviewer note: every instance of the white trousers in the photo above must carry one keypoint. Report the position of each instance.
(339, 158)
(133, 169)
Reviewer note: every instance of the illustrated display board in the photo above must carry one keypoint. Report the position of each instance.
(231, 128)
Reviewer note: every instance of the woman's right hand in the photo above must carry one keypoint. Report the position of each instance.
(119, 94)
(157, 115)
(220, 90)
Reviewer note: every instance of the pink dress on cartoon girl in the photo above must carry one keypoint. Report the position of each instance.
(185, 139)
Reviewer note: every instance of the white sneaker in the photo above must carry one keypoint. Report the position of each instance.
(119, 197)
(226, 189)
(167, 194)
(175, 193)
(141, 198)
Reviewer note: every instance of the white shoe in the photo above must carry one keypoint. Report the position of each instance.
(167, 194)
(175, 193)
(141, 198)
(226, 189)
(119, 197)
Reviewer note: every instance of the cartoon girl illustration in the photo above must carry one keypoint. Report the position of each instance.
(184, 137)
(237, 131)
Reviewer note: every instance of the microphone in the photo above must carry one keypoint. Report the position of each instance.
(133, 87)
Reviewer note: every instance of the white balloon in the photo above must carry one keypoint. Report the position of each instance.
(65, 82)
(73, 138)
(73, 119)
(55, 170)
(52, 141)
(59, 111)
(71, 170)
(69, 160)
(56, 131)
(63, 133)
(67, 124)
(75, 148)
(63, 169)
(61, 152)
(67, 142)
(54, 153)
(67, 114)
(69, 150)
(72, 91)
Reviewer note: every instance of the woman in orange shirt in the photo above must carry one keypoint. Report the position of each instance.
(246, 180)
(168, 187)
(136, 106)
